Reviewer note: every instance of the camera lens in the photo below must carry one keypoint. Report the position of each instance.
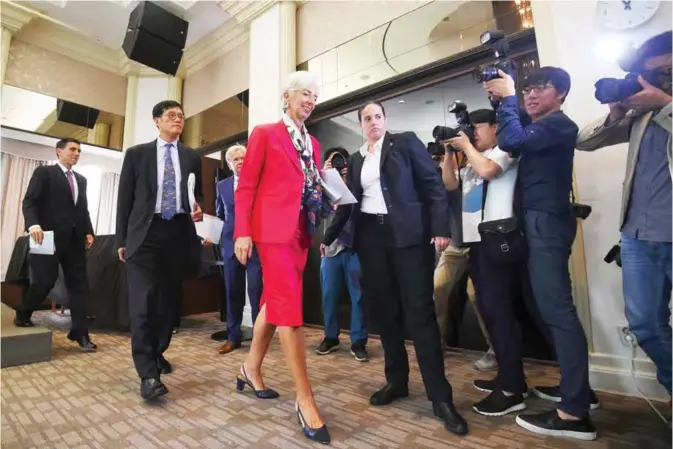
(338, 162)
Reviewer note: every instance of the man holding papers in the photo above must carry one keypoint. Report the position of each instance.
(57, 217)
(234, 271)
(157, 238)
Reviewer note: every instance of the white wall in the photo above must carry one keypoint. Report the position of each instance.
(568, 36)
(150, 91)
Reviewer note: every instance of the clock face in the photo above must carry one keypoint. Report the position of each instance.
(622, 15)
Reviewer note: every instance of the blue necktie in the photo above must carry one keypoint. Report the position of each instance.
(168, 193)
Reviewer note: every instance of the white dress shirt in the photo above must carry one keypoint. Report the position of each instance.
(370, 178)
(235, 183)
(161, 153)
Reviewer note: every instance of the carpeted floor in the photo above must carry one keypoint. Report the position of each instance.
(82, 400)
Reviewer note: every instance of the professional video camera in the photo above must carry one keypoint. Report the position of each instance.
(441, 133)
(497, 40)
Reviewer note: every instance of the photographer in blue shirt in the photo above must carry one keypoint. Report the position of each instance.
(546, 148)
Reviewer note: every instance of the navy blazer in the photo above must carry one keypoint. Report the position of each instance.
(224, 209)
(413, 191)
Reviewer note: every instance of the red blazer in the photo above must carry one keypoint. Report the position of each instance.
(268, 196)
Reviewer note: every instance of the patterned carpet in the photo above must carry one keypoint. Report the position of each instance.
(82, 400)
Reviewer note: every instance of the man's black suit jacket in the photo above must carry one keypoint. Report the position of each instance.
(48, 202)
(415, 197)
(138, 188)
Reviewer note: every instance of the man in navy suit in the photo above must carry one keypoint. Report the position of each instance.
(234, 272)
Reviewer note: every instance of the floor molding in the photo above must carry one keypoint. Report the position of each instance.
(612, 374)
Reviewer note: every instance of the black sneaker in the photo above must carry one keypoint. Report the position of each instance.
(488, 386)
(360, 353)
(550, 424)
(499, 404)
(554, 394)
(327, 345)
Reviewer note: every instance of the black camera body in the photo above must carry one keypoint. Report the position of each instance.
(339, 162)
(612, 90)
(497, 40)
(441, 133)
(614, 255)
(581, 210)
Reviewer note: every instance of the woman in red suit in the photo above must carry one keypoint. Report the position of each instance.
(277, 201)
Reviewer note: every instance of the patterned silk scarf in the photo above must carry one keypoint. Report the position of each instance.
(313, 199)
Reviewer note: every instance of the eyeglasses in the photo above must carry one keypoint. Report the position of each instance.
(174, 115)
(538, 89)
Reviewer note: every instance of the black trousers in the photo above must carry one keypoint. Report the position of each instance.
(154, 275)
(399, 282)
(71, 256)
(497, 287)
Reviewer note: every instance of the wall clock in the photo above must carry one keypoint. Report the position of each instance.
(626, 14)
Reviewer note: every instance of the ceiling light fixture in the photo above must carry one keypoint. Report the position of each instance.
(401, 101)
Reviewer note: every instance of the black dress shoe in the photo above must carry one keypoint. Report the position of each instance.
(388, 394)
(84, 342)
(453, 422)
(152, 388)
(22, 322)
(164, 365)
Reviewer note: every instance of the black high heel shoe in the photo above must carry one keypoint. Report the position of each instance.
(241, 382)
(320, 435)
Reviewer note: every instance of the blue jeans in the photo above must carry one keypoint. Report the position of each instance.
(550, 238)
(646, 277)
(332, 271)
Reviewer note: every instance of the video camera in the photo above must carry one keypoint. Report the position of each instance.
(497, 40)
(441, 133)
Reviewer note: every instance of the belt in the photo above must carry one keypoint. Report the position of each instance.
(380, 218)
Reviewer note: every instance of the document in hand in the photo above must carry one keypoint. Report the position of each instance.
(335, 188)
(210, 228)
(47, 247)
(191, 184)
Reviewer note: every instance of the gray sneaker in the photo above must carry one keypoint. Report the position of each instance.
(487, 362)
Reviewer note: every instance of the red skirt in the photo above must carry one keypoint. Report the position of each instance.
(283, 275)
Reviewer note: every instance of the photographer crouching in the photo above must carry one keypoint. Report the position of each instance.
(546, 148)
(488, 183)
(640, 114)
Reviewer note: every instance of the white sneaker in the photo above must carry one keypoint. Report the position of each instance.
(487, 363)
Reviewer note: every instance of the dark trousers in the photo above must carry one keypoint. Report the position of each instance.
(179, 303)
(497, 287)
(550, 239)
(399, 281)
(44, 273)
(154, 275)
(234, 284)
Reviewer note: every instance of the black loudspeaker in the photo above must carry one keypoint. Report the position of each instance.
(143, 47)
(152, 18)
(155, 37)
(76, 114)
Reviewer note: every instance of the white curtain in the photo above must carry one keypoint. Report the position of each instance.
(16, 174)
(107, 210)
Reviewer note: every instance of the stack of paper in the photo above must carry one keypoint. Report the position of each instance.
(335, 188)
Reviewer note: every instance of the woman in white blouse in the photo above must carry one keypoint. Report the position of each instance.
(402, 211)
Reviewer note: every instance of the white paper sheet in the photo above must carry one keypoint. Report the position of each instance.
(191, 183)
(210, 228)
(335, 188)
(47, 247)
